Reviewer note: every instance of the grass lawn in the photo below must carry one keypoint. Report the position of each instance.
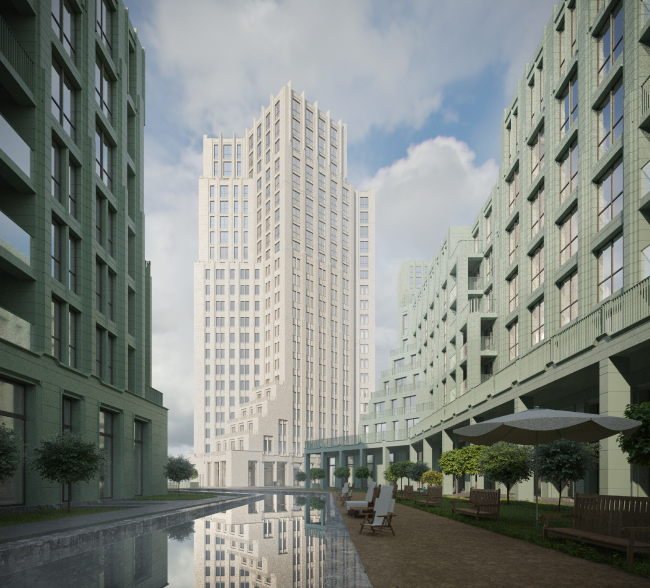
(179, 496)
(36, 516)
(518, 520)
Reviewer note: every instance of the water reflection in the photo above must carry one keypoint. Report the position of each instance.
(276, 541)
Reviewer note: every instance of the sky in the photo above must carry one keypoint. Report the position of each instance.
(421, 84)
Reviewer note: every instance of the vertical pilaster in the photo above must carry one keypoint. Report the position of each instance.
(447, 445)
(523, 490)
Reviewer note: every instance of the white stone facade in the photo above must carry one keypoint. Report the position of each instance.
(284, 311)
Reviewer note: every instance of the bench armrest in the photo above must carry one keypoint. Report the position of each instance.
(635, 530)
(459, 500)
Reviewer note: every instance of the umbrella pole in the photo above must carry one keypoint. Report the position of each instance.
(535, 486)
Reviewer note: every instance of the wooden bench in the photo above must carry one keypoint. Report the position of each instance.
(433, 497)
(617, 522)
(482, 503)
(406, 494)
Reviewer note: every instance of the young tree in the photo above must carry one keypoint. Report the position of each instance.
(67, 459)
(178, 469)
(400, 470)
(432, 478)
(452, 463)
(362, 473)
(300, 500)
(9, 453)
(416, 470)
(389, 474)
(317, 474)
(507, 464)
(637, 445)
(469, 455)
(317, 503)
(342, 473)
(565, 461)
(300, 476)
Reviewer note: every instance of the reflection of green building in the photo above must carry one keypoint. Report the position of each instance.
(75, 290)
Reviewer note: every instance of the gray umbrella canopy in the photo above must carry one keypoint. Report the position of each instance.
(543, 425)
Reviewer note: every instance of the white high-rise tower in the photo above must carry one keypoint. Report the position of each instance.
(284, 292)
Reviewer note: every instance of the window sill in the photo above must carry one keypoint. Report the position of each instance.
(605, 162)
(608, 232)
(536, 295)
(535, 242)
(566, 269)
(566, 207)
(566, 141)
(605, 86)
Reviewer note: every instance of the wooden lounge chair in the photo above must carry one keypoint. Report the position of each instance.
(482, 503)
(433, 497)
(344, 492)
(355, 511)
(381, 519)
(369, 497)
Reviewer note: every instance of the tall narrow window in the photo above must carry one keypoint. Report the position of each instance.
(99, 221)
(610, 195)
(138, 457)
(513, 341)
(569, 172)
(537, 152)
(110, 359)
(72, 190)
(488, 226)
(72, 338)
(63, 100)
(569, 106)
(513, 192)
(537, 212)
(72, 264)
(569, 299)
(569, 237)
(56, 171)
(610, 120)
(56, 251)
(513, 243)
(12, 401)
(110, 232)
(106, 443)
(56, 329)
(537, 323)
(513, 292)
(110, 295)
(104, 24)
(610, 268)
(537, 268)
(99, 279)
(103, 158)
(610, 42)
(63, 23)
(103, 89)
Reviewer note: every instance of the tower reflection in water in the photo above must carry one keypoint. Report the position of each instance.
(280, 541)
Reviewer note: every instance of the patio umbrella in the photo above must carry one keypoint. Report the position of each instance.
(543, 425)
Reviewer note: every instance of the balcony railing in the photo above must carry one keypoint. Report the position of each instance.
(463, 352)
(487, 343)
(484, 305)
(399, 411)
(452, 363)
(15, 329)
(485, 377)
(14, 146)
(452, 295)
(645, 10)
(474, 283)
(13, 238)
(16, 55)
(402, 350)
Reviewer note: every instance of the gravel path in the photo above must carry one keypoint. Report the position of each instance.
(429, 550)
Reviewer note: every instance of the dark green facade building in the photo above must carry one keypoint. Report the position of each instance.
(75, 289)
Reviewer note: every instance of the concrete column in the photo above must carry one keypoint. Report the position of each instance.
(307, 468)
(448, 481)
(614, 396)
(524, 490)
(339, 463)
(427, 453)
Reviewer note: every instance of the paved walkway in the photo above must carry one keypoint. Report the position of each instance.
(429, 550)
(132, 509)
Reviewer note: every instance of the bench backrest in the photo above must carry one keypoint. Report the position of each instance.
(607, 515)
(408, 492)
(434, 492)
(488, 498)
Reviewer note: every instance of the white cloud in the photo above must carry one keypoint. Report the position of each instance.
(373, 63)
(418, 198)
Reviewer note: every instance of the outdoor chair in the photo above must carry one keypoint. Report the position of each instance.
(344, 492)
(433, 497)
(482, 503)
(361, 510)
(381, 519)
(364, 503)
(406, 494)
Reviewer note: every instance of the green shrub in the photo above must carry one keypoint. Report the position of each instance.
(432, 478)
(342, 473)
(507, 464)
(637, 445)
(300, 476)
(362, 473)
(9, 453)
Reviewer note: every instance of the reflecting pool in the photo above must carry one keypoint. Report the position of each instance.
(275, 541)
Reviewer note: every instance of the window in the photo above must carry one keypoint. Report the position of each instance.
(227, 168)
(138, 457)
(569, 299)
(610, 120)
(513, 341)
(537, 155)
(99, 278)
(363, 218)
(104, 23)
(72, 338)
(537, 268)
(56, 329)
(569, 237)
(537, 323)
(56, 171)
(537, 213)
(610, 195)
(513, 192)
(99, 353)
(63, 23)
(72, 190)
(569, 172)
(488, 226)
(56, 251)
(513, 243)
(513, 292)
(73, 246)
(63, 100)
(103, 158)
(610, 42)
(610, 268)
(106, 443)
(103, 89)
(569, 106)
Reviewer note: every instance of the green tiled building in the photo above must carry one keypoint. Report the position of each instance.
(545, 299)
(75, 289)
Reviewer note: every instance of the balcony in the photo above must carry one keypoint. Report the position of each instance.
(14, 329)
(452, 363)
(16, 241)
(13, 150)
(484, 305)
(487, 343)
(463, 387)
(645, 105)
(452, 296)
(474, 283)
(485, 377)
(14, 57)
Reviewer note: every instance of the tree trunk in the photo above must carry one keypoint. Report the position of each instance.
(559, 500)
(475, 481)
(508, 494)
(69, 495)
(456, 486)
